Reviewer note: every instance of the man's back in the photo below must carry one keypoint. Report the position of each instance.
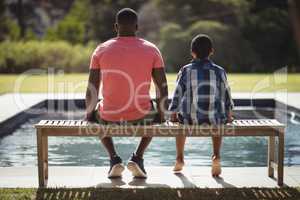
(126, 64)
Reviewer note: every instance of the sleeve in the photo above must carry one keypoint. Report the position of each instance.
(179, 91)
(94, 62)
(158, 59)
(228, 102)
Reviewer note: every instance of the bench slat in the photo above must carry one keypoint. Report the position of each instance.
(236, 124)
(42, 122)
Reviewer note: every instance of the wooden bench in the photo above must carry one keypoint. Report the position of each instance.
(264, 127)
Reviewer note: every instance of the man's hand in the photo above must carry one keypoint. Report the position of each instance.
(161, 87)
(92, 92)
(174, 117)
(89, 117)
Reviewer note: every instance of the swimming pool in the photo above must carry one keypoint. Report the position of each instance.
(19, 148)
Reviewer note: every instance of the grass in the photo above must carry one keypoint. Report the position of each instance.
(151, 193)
(17, 193)
(77, 83)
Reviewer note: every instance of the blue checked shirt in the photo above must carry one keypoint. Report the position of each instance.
(202, 94)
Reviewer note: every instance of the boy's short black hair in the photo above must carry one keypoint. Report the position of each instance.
(127, 16)
(201, 45)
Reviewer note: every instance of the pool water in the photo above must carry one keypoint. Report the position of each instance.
(19, 148)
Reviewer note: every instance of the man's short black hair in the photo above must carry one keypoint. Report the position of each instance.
(127, 16)
(201, 45)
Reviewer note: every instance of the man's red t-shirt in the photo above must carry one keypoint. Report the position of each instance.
(125, 65)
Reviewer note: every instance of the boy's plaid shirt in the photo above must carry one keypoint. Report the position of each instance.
(202, 94)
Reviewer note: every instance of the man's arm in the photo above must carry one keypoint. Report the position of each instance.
(161, 88)
(91, 97)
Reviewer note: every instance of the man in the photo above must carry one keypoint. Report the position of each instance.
(125, 65)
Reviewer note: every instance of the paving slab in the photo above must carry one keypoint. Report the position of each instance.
(190, 177)
(14, 103)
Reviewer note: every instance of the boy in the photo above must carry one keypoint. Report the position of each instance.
(202, 96)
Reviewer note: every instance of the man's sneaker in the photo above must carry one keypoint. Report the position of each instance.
(136, 166)
(116, 167)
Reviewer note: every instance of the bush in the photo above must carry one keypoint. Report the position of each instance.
(271, 36)
(69, 30)
(231, 50)
(16, 57)
(174, 46)
(73, 27)
(9, 30)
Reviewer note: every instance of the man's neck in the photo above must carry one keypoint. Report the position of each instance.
(126, 34)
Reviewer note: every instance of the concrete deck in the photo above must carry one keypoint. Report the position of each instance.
(26, 177)
(18, 102)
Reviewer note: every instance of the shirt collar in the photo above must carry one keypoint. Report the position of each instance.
(201, 61)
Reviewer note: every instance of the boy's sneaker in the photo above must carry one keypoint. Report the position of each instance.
(136, 166)
(116, 167)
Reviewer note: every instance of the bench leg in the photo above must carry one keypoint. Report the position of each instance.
(271, 155)
(280, 159)
(45, 149)
(42, 151)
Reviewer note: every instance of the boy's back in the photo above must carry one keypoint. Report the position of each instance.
(202, 94)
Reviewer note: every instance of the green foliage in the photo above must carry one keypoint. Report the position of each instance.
(17, 193)
(9, 30)
(18, 57)
(73, 27)
(69, 30)
(190, 11)
(102, 17)
(270, 34)
(231, 50)
(89, 20)
(30, 35)
(174, 46)
(249, 35)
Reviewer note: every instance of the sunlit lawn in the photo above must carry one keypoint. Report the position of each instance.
(77, 83)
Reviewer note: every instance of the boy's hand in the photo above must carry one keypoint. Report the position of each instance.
(230, 117)
(174, 117)
(229, 120)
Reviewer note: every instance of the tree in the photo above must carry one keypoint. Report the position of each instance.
(191, 11)
(9, 29)
(270, 34)
(103, 16)
(174, 44)
(73, 28)
(231, 50)
(150, 22)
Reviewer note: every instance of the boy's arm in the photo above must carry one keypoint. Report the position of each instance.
(230, 117)
(228, 99)
(178, 94)
(161, 87)
(92, 91)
